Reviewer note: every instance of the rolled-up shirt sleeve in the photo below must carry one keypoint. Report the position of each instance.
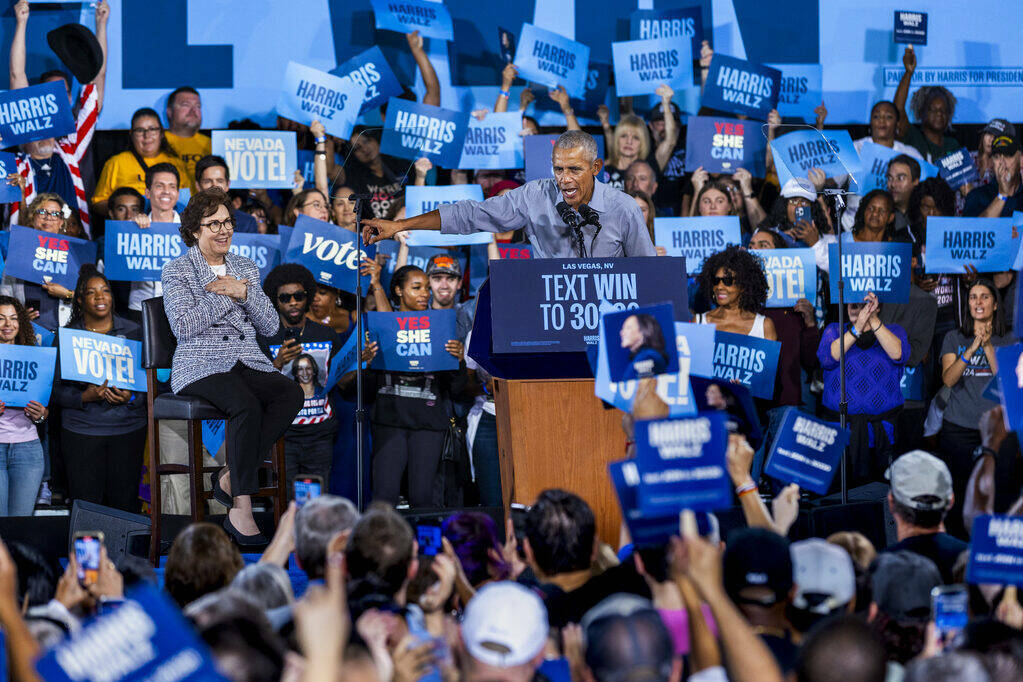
(635, 236)
(497, 214)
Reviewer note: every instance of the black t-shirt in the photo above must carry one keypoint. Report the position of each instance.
(615, 177)
(383, 189)
(569, 607)
(941, 548)
(670, 179)
(784, 651)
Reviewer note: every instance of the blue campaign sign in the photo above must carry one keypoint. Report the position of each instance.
(1010, 383)
(912, 383)
(494, 142)
(261, 249)
(641, 66)
(1017, 324)
(802, 90)
(955, 242)
(371, 69)
(426, 198)
(285, 234)
(879, 267)
(747, 360)
(695, 343)
(552, 59)
(791, 275)
(957, 168)
(557, 300)
(414, 130)
(8, 193)
(806, 451)
(258, 159)
(537, 150)
(874, 160)
(681, 464)
(44, 337)
(996, 551)
(741, 87)
(309, 94)
(342, 362)
(145, 638)
(797, 152)
(133, 254)
(910, 27)
(696, 238)
(677, 22)
(723, 145)
(413, 342)
(41, 257)
(26, 373)
(330, 252)
(638, 342)
(213, 435)
(94, 358)
(431, 19)
(645, 531)
(35, 113)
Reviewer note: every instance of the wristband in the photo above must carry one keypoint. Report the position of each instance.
(323, 154)
(1003, 197)
(505, 93)
(854, 331)
(981, 451)
(966, 360)
(745, 488)
(320, 140)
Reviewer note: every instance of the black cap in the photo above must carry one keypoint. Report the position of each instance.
(756, 557)
(1004, 144)
(443, 264)
(1000, 126)
(657, 113)
(78, 49)
(901, 583)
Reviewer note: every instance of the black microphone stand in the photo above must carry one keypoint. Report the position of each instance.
(360, 408)
(843, 403)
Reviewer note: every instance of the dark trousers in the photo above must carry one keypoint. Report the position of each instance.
(260, 406)
(486, 462)
(394, 449)
(955, 447)
(104, 469)
(308, 451)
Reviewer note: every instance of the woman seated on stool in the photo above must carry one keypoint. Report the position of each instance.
(216, 307)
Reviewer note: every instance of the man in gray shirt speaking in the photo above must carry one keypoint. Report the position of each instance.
(609, 221)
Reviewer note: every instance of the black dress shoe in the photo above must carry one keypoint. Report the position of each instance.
(218, 493)
(243, 540)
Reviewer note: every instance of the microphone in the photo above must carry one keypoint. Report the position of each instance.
(357, 197)
(590, 217)
(574, 221)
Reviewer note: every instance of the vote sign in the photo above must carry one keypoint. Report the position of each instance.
(641, 66)
(696, 238)
(996, 550)
(552, 59)
(910, 27)
(309, 94)
(41, 257)
(414, 130)
(806, 451)
(425, 198)
(957, 168)
(797, 152)
(494, 142)
(879, 267)
(741, 87)
(35, 113)
(681, 464)
(371, 69)
(330, 252)
(747, 360)
(8, 193)
(413, 342)
(26, 373)
(258, 159)
(431, 19)
(955, 242)
(557, 300)
(96, 358)
(791, 275)
(723, 145)
(134, 254)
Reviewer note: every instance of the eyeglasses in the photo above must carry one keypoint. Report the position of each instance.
(49, 214)
(218, 226)
(727, 280)
(296, 297)
(315, 204)
(146, 132)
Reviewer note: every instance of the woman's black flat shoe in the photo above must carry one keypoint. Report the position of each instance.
(243, 540)
(218, 493)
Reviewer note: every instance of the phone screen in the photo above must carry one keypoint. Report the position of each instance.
(307, 488)
(292, 333)
(803, 213)
(87, 551)
(428, 537)
(949, 607)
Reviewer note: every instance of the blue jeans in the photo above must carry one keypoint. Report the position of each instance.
(486, 462)
(21, 472)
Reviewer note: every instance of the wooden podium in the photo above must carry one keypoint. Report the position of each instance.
(555, 433)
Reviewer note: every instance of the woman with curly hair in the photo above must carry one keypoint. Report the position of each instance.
(933, 106)
(875, 218)
(738, 289)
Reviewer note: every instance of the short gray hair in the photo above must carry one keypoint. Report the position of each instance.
(316, 523)
(577, 138)
(267, 584)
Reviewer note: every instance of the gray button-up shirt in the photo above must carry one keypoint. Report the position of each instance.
(623, 232)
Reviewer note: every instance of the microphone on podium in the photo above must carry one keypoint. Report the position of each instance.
(574, 221)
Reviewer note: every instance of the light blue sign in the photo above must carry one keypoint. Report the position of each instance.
(495, 142)
(955, 242)
(874, 160)
(686, 22)
(213, 435)
(133, 254)
(1010, 383)
(696, 238)
(431, 19)
(342, 362)
(261, 249)
(797, 152)
(312, 95)
(641, 66)
(8, 193)
(802, 90)
(747, 360)
(26, 373)
(44, 337)
(371, 69)
(878, 267)
(414, 130)
(741, 87)
(96, 358)
(35, 113)
(791, 275)
(426, 198)
(552, 59)
(330, 252)
(258, 159)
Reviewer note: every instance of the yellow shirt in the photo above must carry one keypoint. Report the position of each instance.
(190, 149)
(122, 170)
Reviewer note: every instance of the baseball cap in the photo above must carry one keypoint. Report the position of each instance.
(756, 557)
(921, 481)
(824, 576)
(999, 126)
(504, 625)
(657, 113)
(901, 583)
(442, 263)
(1005, 144)
(799, 187)
(502, 185)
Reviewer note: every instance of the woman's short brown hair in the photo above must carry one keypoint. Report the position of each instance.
(202, 205)
(201, 560)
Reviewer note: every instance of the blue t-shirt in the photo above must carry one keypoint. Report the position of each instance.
(52, 175)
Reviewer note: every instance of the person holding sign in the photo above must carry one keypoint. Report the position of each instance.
(22, 463)
(611, 224)
(216, 309)
(875, 354)
(933, 106)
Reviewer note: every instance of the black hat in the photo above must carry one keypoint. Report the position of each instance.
(1004, 144)
(755, 557)
(902, 582)
(657, 113)
(78, 49)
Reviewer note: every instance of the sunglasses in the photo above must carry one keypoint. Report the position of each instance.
(286, 298)
(727, 280)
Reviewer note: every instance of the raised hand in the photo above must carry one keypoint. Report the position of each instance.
(909, 59)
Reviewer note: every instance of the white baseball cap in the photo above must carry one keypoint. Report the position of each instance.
(799, 187)
(823, 570)
(504, 625)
